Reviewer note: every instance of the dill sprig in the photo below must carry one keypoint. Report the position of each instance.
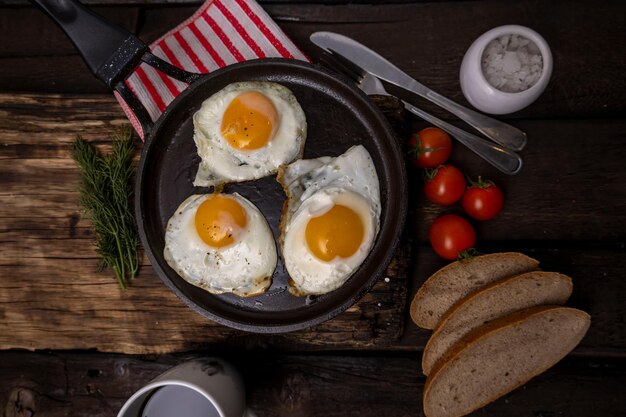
(105, 195)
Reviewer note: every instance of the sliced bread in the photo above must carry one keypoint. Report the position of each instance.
(501, 356)
(491, 302)
(451, 283)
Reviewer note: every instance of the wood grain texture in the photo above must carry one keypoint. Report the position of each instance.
(59, 301)
(571, 167)
(50, 289)
(561, 194)
(96, 385)
(41, 37)
(49, 284)
(428, 40)
(34, 49)
(46, 244)
(566, 209)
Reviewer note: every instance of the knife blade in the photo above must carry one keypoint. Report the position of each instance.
(372, 62)
(366, 58)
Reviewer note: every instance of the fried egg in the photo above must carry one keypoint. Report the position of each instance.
(331, 219)
(246, 131)
(222, 243)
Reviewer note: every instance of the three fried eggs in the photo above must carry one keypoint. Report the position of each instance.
(222, 242)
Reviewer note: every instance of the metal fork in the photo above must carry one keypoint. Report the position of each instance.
(505, 160)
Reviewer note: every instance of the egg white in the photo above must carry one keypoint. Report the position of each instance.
(314, 187)
(243, 268)
(221, 163)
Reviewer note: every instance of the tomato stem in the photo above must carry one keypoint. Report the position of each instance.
(429, 173)
(480, 183)
(417, 149)
(468, 254)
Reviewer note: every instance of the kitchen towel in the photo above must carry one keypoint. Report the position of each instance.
(220, 33)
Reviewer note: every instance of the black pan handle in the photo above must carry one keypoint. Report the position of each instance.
(110, 51)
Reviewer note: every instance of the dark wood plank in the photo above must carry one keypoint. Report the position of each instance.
(52, 74)
(46, 243)
(96, 385)
(560, 195)
(31, 33)
(566, 209)
(35, 55)
(57, 291)
(571, 187)
(59, 288)
(428, 40)
(49, 120)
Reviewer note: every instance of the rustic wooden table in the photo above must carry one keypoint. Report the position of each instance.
(74, 344)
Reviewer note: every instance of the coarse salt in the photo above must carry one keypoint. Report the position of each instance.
(512, 63)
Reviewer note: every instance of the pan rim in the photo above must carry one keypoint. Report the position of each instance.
(396, 228)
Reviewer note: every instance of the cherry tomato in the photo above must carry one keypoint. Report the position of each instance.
(483, 200)
(444, 185)
(430, 147)
(450, 235)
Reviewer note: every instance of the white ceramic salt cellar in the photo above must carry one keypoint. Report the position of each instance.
(484, 96)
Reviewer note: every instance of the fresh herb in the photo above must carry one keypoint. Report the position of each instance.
(105, 196)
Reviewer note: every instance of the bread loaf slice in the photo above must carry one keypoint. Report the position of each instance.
(491, 302)
(501, 356)
(458, 279)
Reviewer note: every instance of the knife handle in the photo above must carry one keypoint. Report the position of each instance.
(502, 133)
(505, 160)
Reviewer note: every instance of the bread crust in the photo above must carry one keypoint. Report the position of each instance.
(429, 321)
(486, 331)
(464, 303)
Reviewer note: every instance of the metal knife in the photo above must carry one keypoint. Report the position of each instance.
(500, 132)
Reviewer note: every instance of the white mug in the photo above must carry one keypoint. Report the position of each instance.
(201, 387)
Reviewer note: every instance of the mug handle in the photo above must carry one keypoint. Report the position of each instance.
(111, 52)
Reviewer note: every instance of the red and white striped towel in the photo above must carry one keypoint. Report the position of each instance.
(220, 33)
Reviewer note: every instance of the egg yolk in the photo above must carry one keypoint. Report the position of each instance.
(219, 220)
(338, 232)
(249, 121)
